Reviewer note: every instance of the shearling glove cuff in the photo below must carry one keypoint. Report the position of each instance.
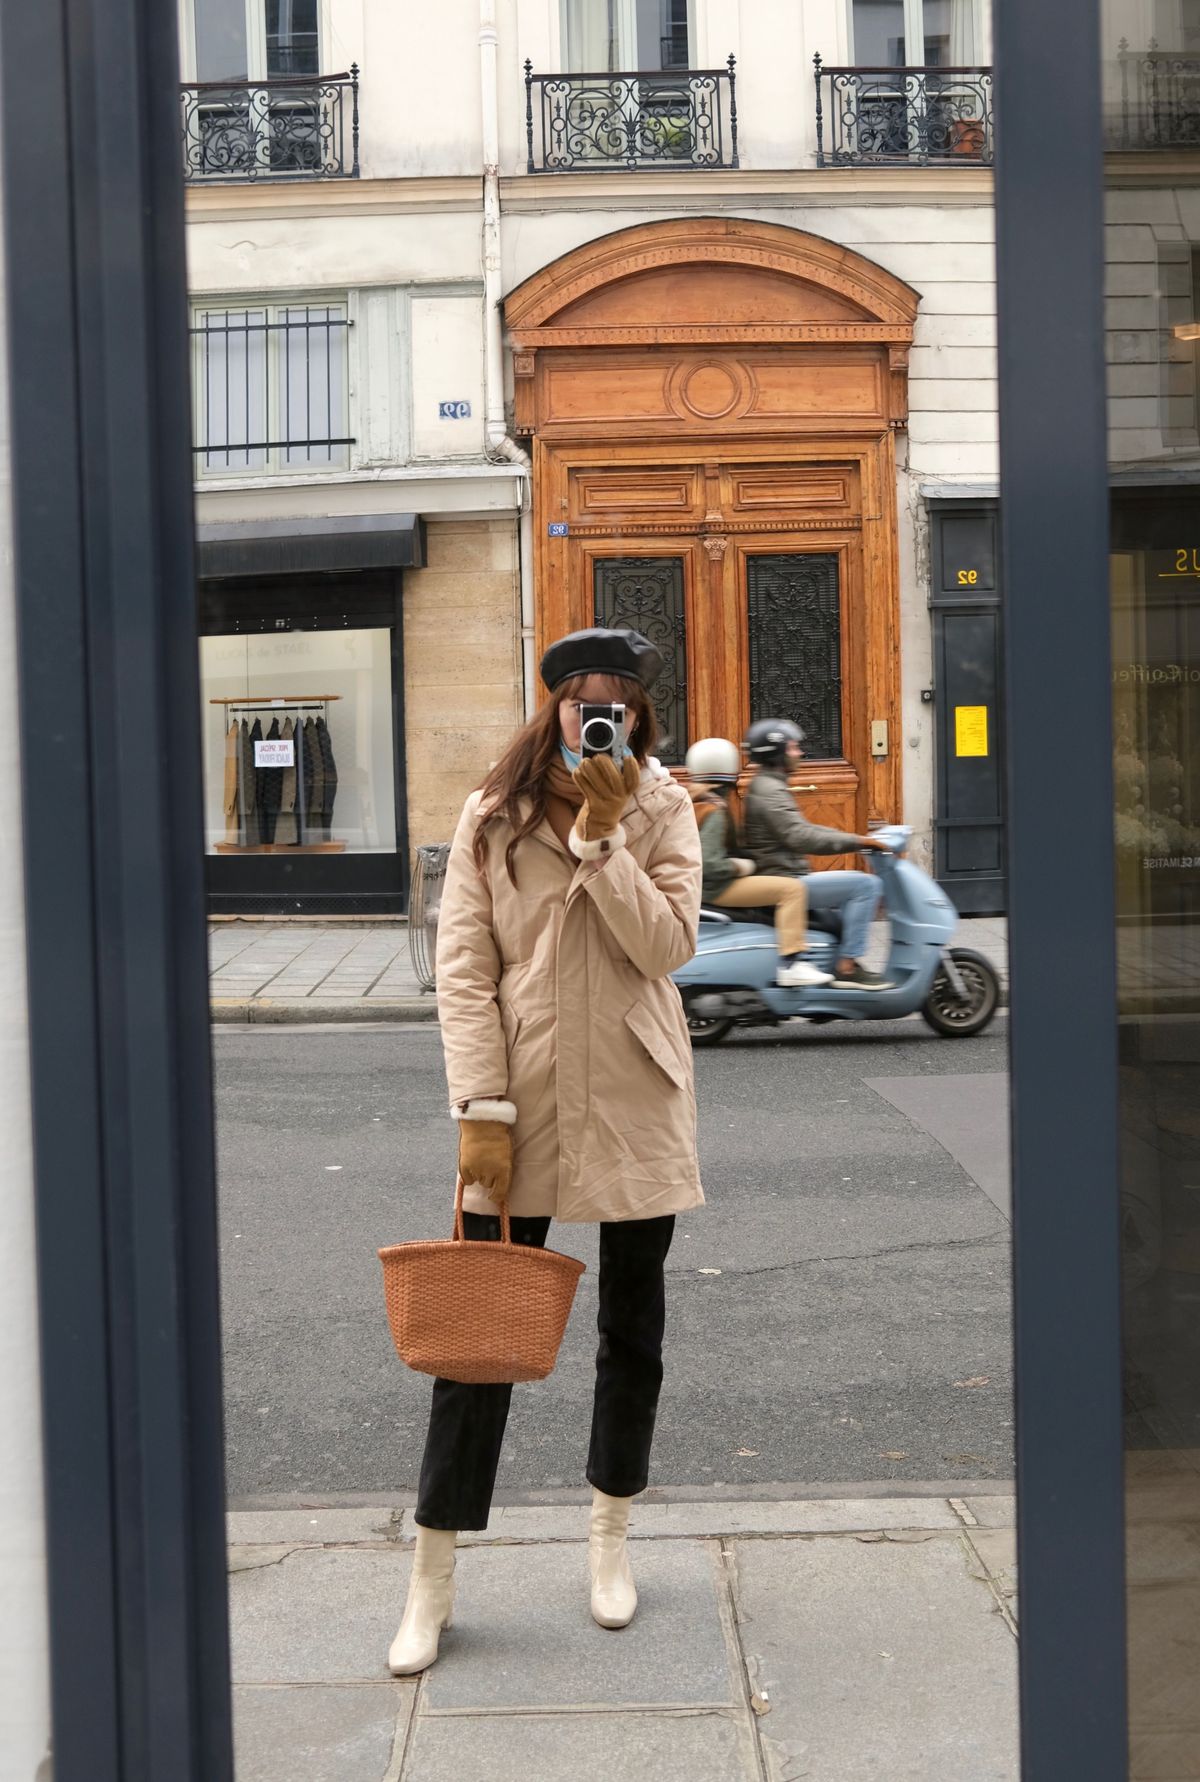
(484, 1108)
(606, 790)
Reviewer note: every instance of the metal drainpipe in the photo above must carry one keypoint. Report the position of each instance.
(499, 442)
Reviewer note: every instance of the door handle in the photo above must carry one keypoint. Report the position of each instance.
(806, 788)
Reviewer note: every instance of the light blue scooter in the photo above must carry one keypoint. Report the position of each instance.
(730, 981)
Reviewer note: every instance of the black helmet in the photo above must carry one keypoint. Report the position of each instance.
(766, 740)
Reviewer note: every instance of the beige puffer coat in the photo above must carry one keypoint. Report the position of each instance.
(554, 994)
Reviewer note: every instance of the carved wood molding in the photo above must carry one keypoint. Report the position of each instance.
(706, 241)
(627, 528)
(715, 334)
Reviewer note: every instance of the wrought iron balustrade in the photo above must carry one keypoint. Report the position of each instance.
(903, 116)
(1160, 100)
(301, 127)
(671, 118)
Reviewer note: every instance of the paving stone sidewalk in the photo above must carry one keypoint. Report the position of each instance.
(300, 971)
(828, 1640)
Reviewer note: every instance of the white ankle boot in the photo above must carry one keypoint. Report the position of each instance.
(614, 1598)
(430, 1603)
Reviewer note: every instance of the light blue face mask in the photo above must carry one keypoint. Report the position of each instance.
(573, 760)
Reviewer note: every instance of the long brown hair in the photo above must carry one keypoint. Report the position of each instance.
(520, 773)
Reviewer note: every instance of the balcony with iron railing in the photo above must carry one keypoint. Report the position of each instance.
(668, 118)
(1159, 105)
(888, 117)
(298, 127)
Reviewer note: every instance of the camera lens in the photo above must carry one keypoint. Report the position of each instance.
(599, 735)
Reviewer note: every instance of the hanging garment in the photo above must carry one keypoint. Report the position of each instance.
(329, 784)
(255, 829)
(246, 787)
(231, 804)
(272, 789)
(314, 775)
(285, 822)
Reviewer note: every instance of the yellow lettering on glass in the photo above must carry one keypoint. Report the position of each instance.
(967, 578)
(1187, 563)
(970, 730)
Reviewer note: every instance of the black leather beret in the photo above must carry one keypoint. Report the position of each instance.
(597, 651)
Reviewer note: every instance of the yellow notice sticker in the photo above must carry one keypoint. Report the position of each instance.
(970, 730)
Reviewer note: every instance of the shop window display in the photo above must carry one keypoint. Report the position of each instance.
(298, 737)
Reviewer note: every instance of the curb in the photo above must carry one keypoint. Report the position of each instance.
(311, 1010)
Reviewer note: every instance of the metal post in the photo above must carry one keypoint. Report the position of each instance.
(118, 993)
(354, 117)
(732, 67)
(1066, 1241)
(529, 114)
(820, 114)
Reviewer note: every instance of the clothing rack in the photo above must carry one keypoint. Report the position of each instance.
(298, 702)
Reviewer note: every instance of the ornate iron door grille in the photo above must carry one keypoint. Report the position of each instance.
(646, 594)
(795, 637)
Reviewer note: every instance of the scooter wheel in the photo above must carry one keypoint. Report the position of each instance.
(701, 1031)
(949, 1014)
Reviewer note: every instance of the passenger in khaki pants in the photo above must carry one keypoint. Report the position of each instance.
(731, 882)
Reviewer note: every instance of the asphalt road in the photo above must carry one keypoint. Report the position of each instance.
(857, 1329)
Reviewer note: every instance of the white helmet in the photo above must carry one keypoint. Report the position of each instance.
(714, 760)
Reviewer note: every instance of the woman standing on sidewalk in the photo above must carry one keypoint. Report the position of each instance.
(572, 892)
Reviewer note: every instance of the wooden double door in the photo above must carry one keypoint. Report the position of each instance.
(750, 573)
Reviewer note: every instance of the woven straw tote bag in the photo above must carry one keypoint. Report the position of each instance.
(481, 1313)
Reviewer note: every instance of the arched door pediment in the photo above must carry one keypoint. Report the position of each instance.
(720, 284)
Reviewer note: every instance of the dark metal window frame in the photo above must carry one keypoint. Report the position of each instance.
(667, 629)
(767, 655)
(1063, 1017)
(278, 329)
(118, 992)
(367, 883)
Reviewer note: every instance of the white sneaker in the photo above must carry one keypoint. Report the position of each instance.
(801, 975)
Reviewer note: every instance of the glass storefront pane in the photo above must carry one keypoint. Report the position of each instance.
(298, 743)
(1151, 86)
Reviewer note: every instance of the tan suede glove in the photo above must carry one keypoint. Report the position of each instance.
(606, 789)
(485, 1156)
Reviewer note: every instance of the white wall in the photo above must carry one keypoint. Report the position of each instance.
(24, 1663)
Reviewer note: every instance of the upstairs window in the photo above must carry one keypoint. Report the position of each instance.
(626, 36)
(918, 34)
(270, 388)
(250, 40)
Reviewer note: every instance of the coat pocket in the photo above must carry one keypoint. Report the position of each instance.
(654, 1040)
(510, 1021)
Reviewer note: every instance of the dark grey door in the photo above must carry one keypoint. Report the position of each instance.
(968, 667)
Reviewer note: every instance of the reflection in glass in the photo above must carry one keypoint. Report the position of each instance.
(1152, 102)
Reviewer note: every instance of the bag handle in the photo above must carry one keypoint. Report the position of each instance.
(460, 1236)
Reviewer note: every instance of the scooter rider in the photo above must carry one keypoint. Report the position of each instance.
(730, 882)
(780, 838)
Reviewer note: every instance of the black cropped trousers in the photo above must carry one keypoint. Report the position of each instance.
(466, 1423)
